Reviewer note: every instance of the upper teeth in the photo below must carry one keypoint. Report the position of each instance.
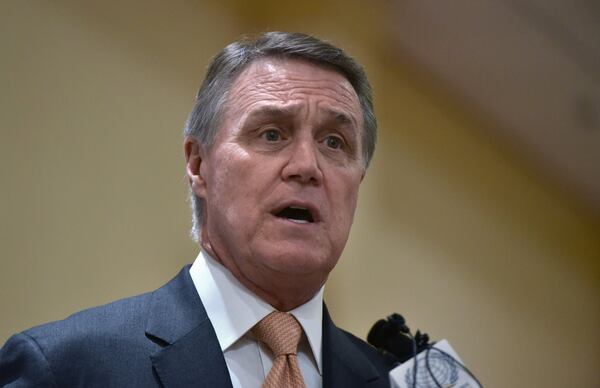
(298, 207)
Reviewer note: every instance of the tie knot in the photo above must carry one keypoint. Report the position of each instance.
(280, 332)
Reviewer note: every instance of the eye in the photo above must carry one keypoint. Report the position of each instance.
(333, 142)
(271, 135)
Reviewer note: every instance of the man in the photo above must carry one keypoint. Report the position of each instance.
(276, 147)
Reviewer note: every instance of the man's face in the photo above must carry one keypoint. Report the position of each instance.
(280, 182)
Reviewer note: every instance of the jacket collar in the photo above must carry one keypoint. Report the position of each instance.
(190, 353)
(344, 365)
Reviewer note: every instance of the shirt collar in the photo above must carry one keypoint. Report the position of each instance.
(233, 309)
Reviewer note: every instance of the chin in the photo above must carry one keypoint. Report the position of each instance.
(299, 260)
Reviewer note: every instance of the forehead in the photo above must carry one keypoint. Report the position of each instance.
(286, 81)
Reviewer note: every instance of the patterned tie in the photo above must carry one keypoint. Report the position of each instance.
(281, 333)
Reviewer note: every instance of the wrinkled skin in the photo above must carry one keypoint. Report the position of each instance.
(290, 135)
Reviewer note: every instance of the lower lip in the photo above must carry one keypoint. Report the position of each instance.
(302, 224)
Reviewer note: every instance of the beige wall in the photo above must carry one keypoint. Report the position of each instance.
(453, 230)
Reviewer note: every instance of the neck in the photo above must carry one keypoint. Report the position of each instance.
(281, 291)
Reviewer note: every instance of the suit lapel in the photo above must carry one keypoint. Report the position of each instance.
(344, 365)
(190, 354)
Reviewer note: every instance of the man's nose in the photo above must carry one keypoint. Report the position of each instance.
(303, 165)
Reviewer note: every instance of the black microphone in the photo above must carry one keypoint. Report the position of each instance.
(417, 363)
(394, 336)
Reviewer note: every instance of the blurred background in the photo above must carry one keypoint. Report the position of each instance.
(479, 219)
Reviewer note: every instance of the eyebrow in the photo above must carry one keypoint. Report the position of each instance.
(340, 117)
(272, 112)
(283, 112)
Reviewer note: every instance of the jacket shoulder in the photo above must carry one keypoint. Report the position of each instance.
(119, 318)
(96, 340)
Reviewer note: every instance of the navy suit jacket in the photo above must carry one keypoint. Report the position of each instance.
(162, 338)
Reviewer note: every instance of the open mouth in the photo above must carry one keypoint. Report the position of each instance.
(300, 215)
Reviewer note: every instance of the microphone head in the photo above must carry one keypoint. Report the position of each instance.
(393, 336)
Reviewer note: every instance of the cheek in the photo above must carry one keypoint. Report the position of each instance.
(237, 187)
(344, 201)
(221, 190)
(228, 170)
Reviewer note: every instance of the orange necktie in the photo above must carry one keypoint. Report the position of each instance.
(281, 333)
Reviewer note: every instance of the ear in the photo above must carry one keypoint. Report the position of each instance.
(194, 157)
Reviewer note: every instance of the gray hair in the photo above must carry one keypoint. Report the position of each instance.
(226, 66)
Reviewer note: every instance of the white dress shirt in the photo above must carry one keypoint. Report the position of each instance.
(233, 310)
